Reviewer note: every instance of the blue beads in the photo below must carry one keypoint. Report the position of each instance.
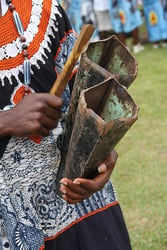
(20, 30)
(18, 23)
(27, 73)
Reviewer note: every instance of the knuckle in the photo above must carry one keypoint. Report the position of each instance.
(40, 105)
(96, 187)
(36, 126)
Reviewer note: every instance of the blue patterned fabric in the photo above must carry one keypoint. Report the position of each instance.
(80, 12)
(156, 19)
(104, 230)
(125, 15)
(30, 206)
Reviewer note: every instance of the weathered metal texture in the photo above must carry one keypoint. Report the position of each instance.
(113, 56)
(102, 60)
(105, 113)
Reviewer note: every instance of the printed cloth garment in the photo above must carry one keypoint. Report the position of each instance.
(125, 15)
(103, 17)
(31, 212)
(156, 19)
(104, 230)
(101, 5)
(80, 12)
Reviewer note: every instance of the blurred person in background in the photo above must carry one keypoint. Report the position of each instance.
(155, 12)
(103, 18)
(126, 19)
(79, 13)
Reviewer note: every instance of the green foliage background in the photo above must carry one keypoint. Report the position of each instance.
(140, 176)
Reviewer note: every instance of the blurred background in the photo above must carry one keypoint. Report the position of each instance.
(140, 177)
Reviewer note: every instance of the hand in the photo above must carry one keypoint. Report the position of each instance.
(81, 188)
(35, 115)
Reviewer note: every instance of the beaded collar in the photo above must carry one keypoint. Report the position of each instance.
(20, 30)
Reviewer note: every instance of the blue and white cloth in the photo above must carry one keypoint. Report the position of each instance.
(125, 15)
(155, 12)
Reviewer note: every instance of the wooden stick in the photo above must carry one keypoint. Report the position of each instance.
(79, 46)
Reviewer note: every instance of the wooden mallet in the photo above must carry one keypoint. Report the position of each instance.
(79, 46)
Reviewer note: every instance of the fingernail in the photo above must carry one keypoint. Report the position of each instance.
(64, 197)
(76, 182)
(63, 183)
(63, 191)
(102, 168)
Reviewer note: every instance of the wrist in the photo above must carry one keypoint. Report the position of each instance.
(4, 123)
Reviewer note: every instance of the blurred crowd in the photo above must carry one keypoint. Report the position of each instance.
(122, 18)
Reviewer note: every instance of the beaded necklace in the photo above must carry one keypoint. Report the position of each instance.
(20, 30)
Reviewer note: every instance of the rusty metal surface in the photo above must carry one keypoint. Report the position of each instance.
(101, 60)
(104, 61)
(105, 113)
(113, 56)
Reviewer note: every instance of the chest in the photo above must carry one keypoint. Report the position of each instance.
(42, 37)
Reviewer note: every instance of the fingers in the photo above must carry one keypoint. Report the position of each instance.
(109, 163)
(35, 115)
(47, 112)
(46, 119)
(81, 188)
(73, 192)
(105, 170)
(54, 101)
(52, 113)
(46, 104)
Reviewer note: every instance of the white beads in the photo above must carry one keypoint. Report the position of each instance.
(11, 50)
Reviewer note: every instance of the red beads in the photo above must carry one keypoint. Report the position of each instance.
(25, 53)
(22, 39)
(11, 7)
